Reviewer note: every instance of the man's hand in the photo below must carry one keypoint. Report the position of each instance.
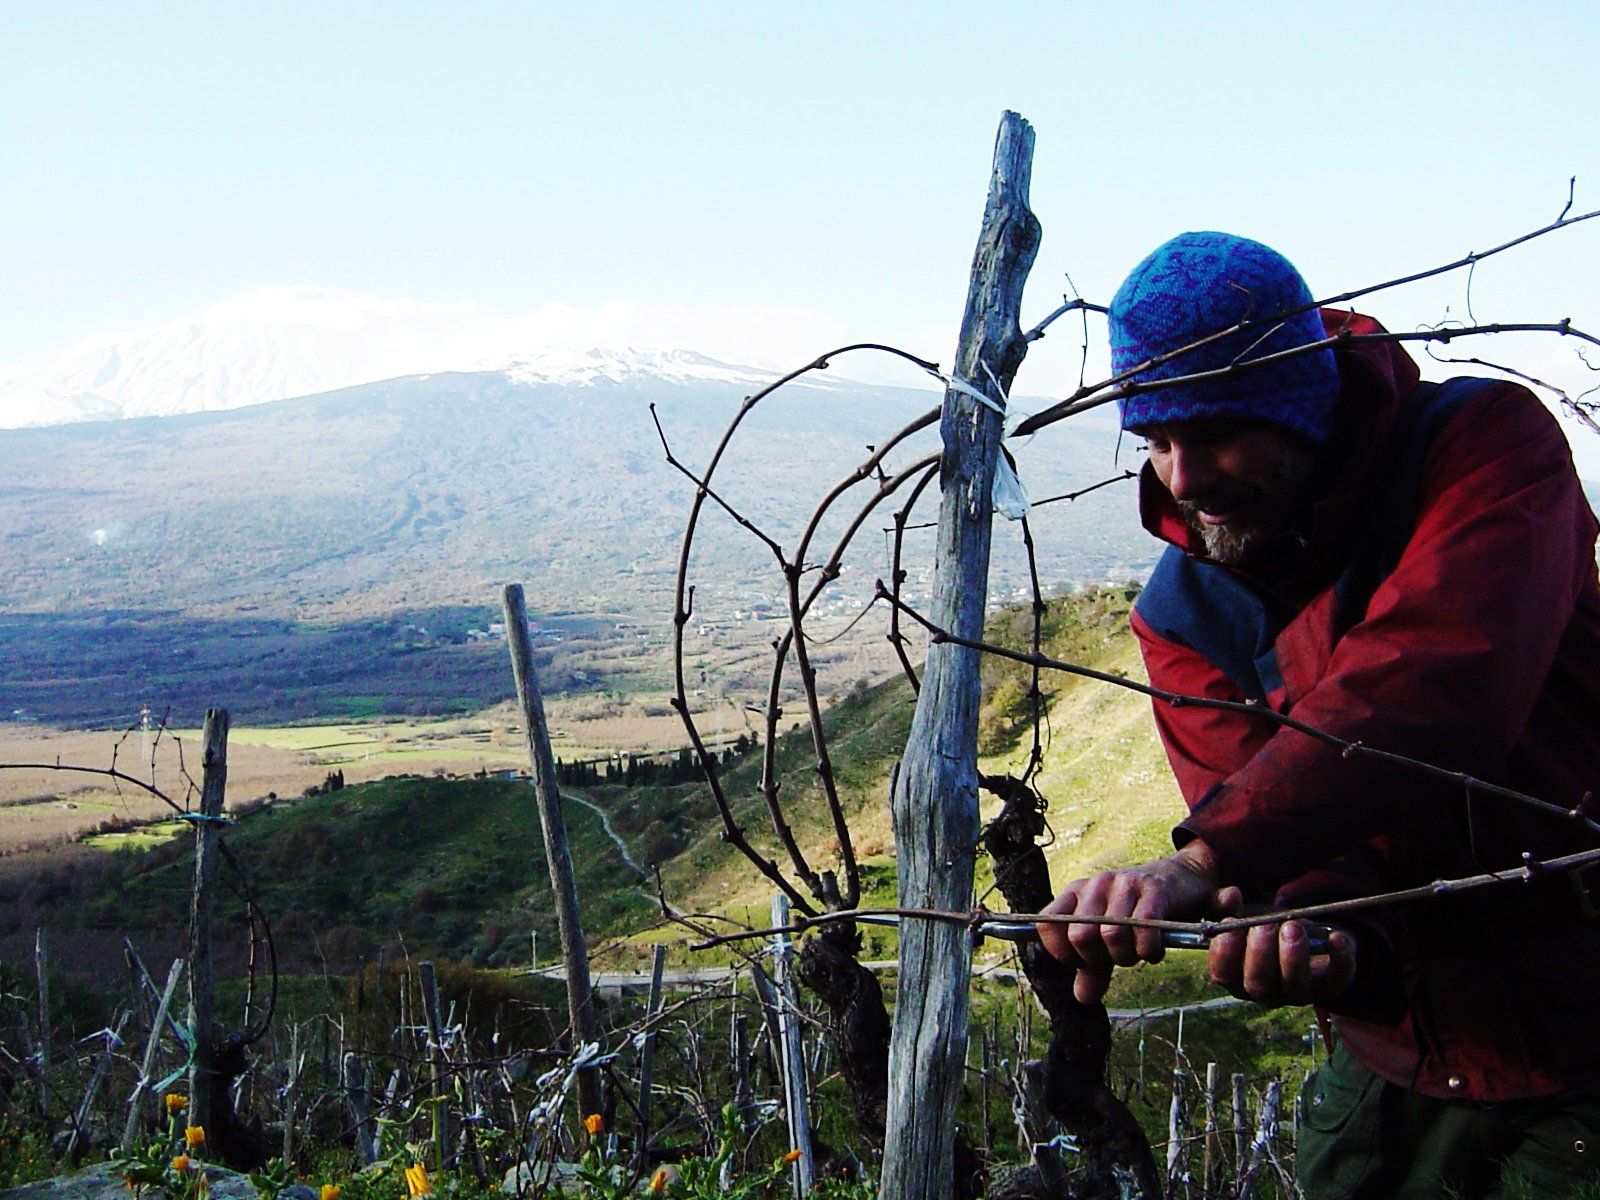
(1180, 885)
(1272, 964)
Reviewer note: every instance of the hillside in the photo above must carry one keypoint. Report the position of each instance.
(455, 867)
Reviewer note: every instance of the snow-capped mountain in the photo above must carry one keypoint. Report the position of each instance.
(281, 342)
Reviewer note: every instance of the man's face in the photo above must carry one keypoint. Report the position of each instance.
(1237, 483)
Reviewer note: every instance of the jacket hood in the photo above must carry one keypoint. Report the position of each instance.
(1373, 378)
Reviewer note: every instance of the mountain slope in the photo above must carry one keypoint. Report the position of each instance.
(426, 493)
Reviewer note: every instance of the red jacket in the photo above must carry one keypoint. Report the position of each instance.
(1476, 647)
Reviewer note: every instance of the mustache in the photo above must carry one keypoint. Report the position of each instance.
(1242, 497)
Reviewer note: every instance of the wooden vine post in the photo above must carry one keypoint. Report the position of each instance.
(207, 831)
(574, 952)
(935, 792)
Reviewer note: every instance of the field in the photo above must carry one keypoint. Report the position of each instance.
(42, 807)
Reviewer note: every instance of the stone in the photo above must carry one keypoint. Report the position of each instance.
(103, 1182)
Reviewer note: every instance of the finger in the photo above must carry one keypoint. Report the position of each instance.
(1294, 963)
(1054, 937)
(1148, 941)
(1334, 973)
(1125, 894)
(1088, 943)
(1089, 987)
(1227, 902)
(1262, 981)
(1225, 961)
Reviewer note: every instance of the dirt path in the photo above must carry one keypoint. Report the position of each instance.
(605, 823)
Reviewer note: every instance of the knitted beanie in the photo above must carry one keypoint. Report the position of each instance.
(1198, 284)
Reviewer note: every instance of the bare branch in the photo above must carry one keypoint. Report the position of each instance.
(683, 601)
(1077, 304)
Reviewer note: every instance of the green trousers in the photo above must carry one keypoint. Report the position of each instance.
(1364, 1138)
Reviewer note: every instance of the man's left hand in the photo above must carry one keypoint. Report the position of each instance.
(1273, 964)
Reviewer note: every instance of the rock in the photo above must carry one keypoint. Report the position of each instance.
(525, 1177)
(102, 1182)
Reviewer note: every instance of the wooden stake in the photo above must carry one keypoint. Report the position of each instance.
(80, 1119)
(130, 1131)
(558, 857)
(794, 1064)
(207, 829)
(430, 1007)
(290, 1088)
(1241, 1124)
(658, 963)
(355, 1090)
(935, 793)
(41, 970)
(1176, 1120)
(1213, 1149)
(743, 1096)
(1266, 1130)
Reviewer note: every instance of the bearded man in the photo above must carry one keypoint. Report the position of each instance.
(1409, 566)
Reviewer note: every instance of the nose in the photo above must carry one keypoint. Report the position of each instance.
(1191, 472)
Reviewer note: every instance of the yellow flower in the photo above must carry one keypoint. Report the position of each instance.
(180, 1165)
(417, 1180)
(792, 1157)
(177, 1102)
(194, 1135)
(330, 1191)
(658, 1181)
(595, 1124)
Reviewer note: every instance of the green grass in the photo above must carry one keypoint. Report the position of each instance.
(452, 867)
(145, 837)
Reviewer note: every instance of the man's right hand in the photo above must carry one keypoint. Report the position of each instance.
(1180, 885)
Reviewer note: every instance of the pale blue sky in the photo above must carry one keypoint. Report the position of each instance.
(829, 157)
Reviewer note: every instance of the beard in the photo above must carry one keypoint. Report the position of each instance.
(1265, 506)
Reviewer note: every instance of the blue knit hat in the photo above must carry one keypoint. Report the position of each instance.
(1196, 285)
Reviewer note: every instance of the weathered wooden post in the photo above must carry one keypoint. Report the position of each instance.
(41, 970)
(354, 1078)
(935, 792)
(1241, 1123)
(429, 980)
(795, 1101)
(130, 1131)
(575, 954)
(207, 829)
(291, 1092)
(1211, 1164)
(739, 1043)
(647, 1050)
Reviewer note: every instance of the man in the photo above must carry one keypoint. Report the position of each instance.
(1410, 567)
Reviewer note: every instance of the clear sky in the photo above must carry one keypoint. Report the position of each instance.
(819, 156)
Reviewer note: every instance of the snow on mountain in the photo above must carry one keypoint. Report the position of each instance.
(280, 342)
(570, 365)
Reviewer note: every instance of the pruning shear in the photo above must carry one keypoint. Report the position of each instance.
(1171, 939)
